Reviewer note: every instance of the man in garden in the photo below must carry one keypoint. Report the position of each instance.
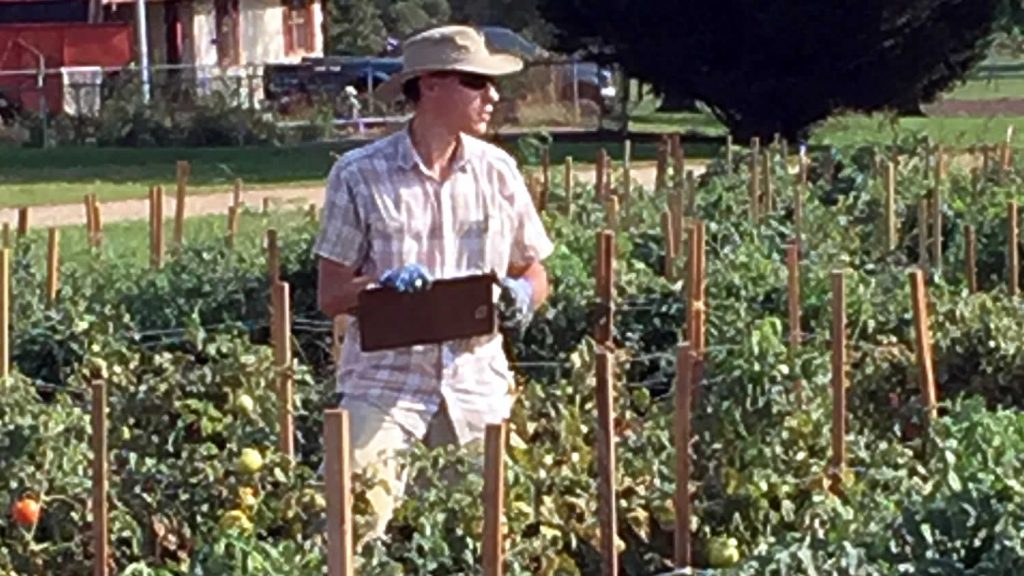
(430, 201)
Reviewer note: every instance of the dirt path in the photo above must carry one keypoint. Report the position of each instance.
(202, 204)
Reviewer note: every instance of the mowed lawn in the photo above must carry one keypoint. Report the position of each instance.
(127, 242)
(66, 174)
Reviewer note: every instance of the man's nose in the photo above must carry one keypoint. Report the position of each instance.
(491, 93)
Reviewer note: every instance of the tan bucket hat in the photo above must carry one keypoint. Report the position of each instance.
(453, 47)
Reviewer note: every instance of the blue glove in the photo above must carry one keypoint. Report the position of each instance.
(408, 278)
(515, 305)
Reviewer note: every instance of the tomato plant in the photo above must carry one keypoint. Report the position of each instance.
(198, 486)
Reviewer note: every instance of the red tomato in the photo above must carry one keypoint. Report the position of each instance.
(26, 511)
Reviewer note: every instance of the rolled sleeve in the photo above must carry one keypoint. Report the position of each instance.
(530, 241)
(342, 236)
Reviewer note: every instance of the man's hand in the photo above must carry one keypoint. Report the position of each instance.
(408, 278)
(515, 305)
(338, 288)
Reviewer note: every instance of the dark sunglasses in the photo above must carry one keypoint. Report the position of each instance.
(469, 80)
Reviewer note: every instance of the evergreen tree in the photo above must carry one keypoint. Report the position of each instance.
(354, 27)
(766, 66)
(407, 17)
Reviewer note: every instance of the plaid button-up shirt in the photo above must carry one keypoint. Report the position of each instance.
(384, 210)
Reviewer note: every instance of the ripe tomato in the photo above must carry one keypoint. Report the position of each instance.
(26, 511)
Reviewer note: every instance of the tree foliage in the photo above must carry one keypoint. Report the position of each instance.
(362, 27)
(354, 27)
(766, 66)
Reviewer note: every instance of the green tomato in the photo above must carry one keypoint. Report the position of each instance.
(250, 461)
(245, 404)
(723, 552)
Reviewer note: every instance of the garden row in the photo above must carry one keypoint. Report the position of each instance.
(181, 352)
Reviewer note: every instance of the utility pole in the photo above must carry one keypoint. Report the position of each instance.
(140, 25)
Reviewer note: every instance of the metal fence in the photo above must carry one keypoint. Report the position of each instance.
(548, 94)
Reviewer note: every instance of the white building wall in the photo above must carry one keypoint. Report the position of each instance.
(204, 33)
(263, 32)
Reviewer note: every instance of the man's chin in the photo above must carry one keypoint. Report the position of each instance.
(478, 129)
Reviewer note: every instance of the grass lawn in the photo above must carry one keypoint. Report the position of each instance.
(989, 88)
(952, 131)
(64, 175)
(128, 241)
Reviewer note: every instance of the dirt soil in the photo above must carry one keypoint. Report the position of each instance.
(978, 108)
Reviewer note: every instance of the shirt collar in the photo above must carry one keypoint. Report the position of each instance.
(409, 158)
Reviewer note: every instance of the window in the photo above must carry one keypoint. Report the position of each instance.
(299, 27)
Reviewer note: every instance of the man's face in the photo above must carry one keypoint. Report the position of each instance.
(461, 101)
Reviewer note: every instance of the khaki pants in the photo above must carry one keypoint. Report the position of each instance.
(375, 439)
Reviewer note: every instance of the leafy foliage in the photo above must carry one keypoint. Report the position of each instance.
(180, 346)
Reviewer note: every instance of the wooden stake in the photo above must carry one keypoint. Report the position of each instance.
(338, 485)
(972, 258)
(600, 186)
(604, 330)
(769, 198)
(151, 201)
(606, 463)
(685, 382)
(696, 308)
(22, 221)
(100, 530)
(838, 376)
(156, 226)
(494, 499)
(97, 221)
(795, 331)
(90, 226)
(1013, 249)
(668, 232)
(283, 364)
(793, 266)
(924, 342)
(678, 161)
(236, 198)
(184, 171)
(52, 264)
(798, 199)
(6, 235)
(232, 225)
